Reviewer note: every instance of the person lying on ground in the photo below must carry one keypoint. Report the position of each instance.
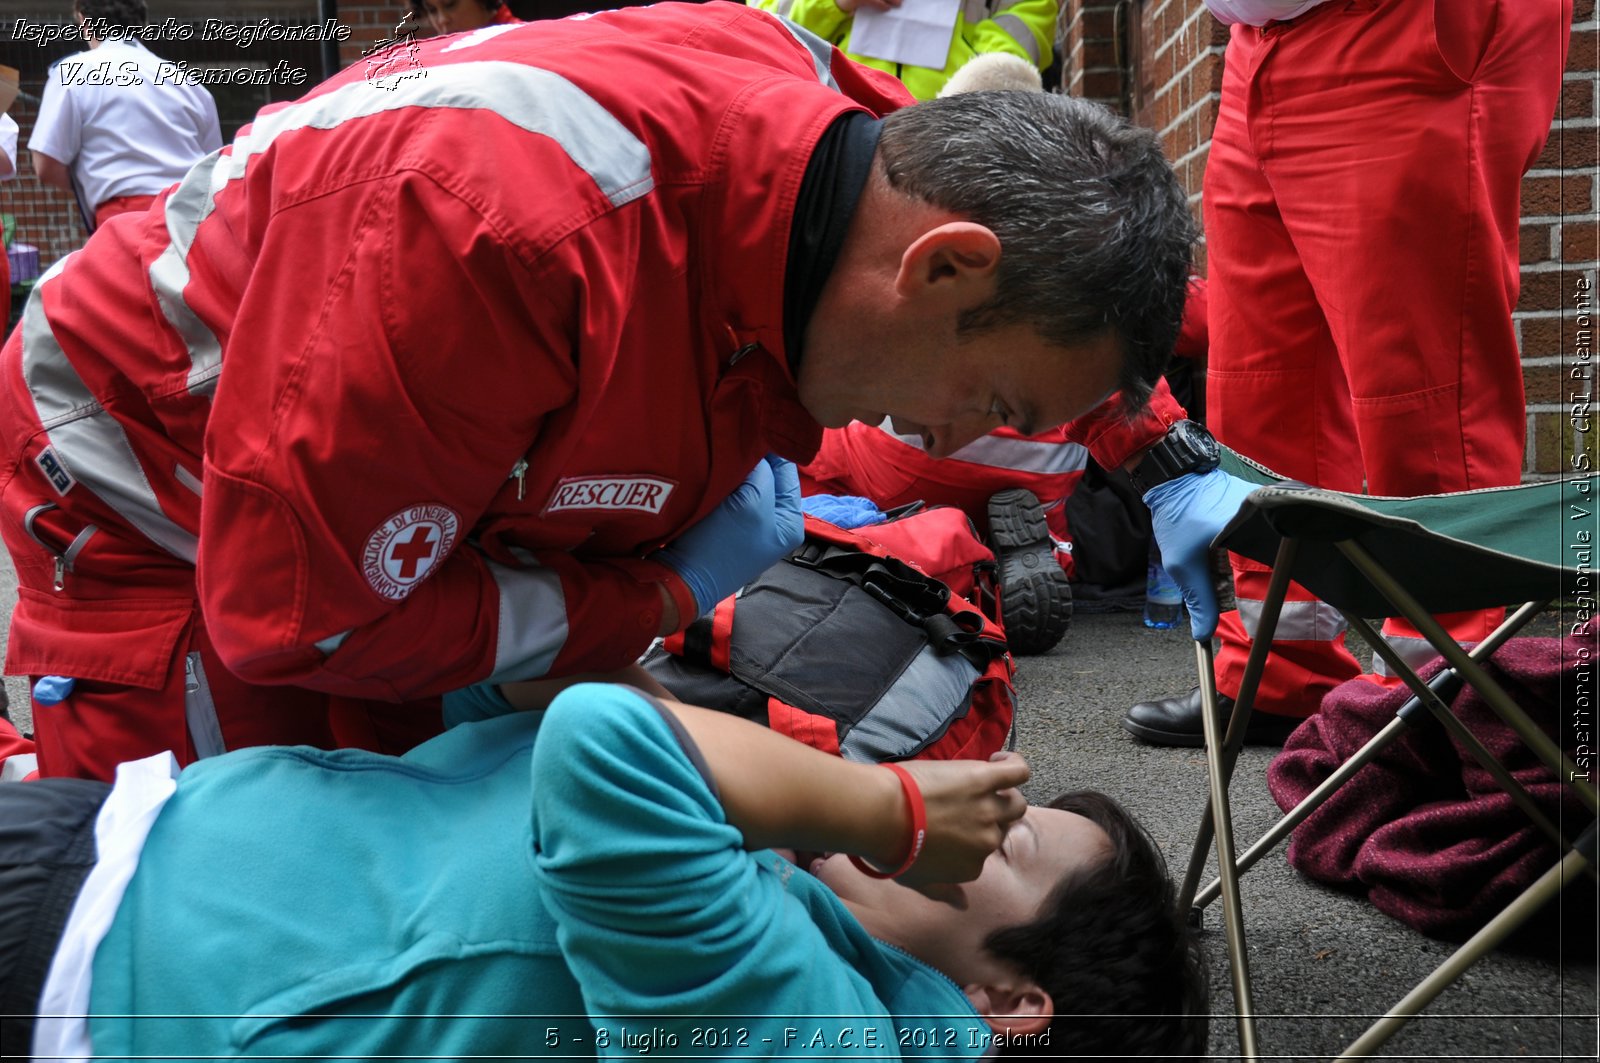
(590, 878)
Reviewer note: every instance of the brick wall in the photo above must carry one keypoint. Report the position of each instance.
(1557, 312)
(1089, 53)
(369, 23)
(49, 219)
(1160, 61)
(1178, 85)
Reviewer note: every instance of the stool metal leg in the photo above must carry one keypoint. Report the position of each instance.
(1312, 801)
(1424, 695)
(1232, 911)
(1441, 712)
(1255, 665)
(1480, 944)
(1471, 671)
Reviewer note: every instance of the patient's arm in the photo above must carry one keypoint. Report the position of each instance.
(778, 791)
(538, 693)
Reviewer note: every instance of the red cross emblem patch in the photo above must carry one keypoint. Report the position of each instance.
(402, 550)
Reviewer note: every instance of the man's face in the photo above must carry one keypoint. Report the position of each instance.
(952, 391)
(1039, 850)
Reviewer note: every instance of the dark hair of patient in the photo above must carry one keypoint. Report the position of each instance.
(1116, 956)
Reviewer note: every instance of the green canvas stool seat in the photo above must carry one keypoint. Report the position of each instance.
(1368, 556)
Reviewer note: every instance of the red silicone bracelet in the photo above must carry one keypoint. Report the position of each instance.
(919, 828)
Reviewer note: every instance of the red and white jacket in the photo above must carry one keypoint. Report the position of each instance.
(418, 369)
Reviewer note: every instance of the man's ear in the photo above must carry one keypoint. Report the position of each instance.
(951, 255)
(1015, 1009)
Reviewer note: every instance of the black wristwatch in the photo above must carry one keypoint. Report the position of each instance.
(1187, 448)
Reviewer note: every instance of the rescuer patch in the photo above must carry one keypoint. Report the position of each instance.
(643, 493)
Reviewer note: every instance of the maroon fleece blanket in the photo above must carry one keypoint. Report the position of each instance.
(1423, 830)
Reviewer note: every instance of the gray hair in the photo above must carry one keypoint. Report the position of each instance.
(1094, 228)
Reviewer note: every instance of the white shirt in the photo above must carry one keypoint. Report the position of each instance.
(61, 1031)
(8, 143)
(1259, 12)
(124, 121)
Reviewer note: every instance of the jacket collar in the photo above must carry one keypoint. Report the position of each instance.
(763, 146)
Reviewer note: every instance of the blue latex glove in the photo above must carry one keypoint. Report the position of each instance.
(53, 689)
(754, 526)
(1187, 514)
(843, 511)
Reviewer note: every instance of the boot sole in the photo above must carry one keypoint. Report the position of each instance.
(1035, 597)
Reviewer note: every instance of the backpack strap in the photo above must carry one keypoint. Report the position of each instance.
(708, 640)
(917, 599)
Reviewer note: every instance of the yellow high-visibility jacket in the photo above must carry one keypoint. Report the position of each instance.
(1021, 27)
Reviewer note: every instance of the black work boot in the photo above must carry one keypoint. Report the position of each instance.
(1035, 597)
(1176, 721)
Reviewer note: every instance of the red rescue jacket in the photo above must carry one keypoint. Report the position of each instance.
(418, 369)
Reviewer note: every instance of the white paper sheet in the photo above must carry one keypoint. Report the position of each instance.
(917, 32)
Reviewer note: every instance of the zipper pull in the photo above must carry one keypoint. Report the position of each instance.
(519, 473)
(61, 573)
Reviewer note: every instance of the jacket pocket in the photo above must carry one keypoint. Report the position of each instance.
(130, 642)
(1460, 34)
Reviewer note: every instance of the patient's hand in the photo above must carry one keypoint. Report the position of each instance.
(970, 806)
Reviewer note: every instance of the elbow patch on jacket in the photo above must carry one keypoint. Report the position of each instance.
(251, 575)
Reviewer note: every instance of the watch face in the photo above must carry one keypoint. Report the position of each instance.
(1198, 441)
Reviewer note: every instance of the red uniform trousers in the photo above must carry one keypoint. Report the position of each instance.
(1362, 198)
(120, 205)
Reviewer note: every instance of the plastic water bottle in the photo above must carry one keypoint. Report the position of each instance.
(1163, 601)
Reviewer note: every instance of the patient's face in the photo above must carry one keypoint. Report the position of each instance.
(1039, 850)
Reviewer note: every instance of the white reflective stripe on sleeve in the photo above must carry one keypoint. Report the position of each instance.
(1008, 452)
(19, 766)
(59, 394)
(538, 101)
(1416, 652)
(1018, 31)
(87, 439)
(921, 703)
(1298, 622)
(189, 480)
(821, 51)
(783, 9)
(533, 622)
(331, 643)
(1024, 455)
(974, 11)
(186, 208)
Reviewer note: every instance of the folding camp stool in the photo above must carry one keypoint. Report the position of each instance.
(1528, 544)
